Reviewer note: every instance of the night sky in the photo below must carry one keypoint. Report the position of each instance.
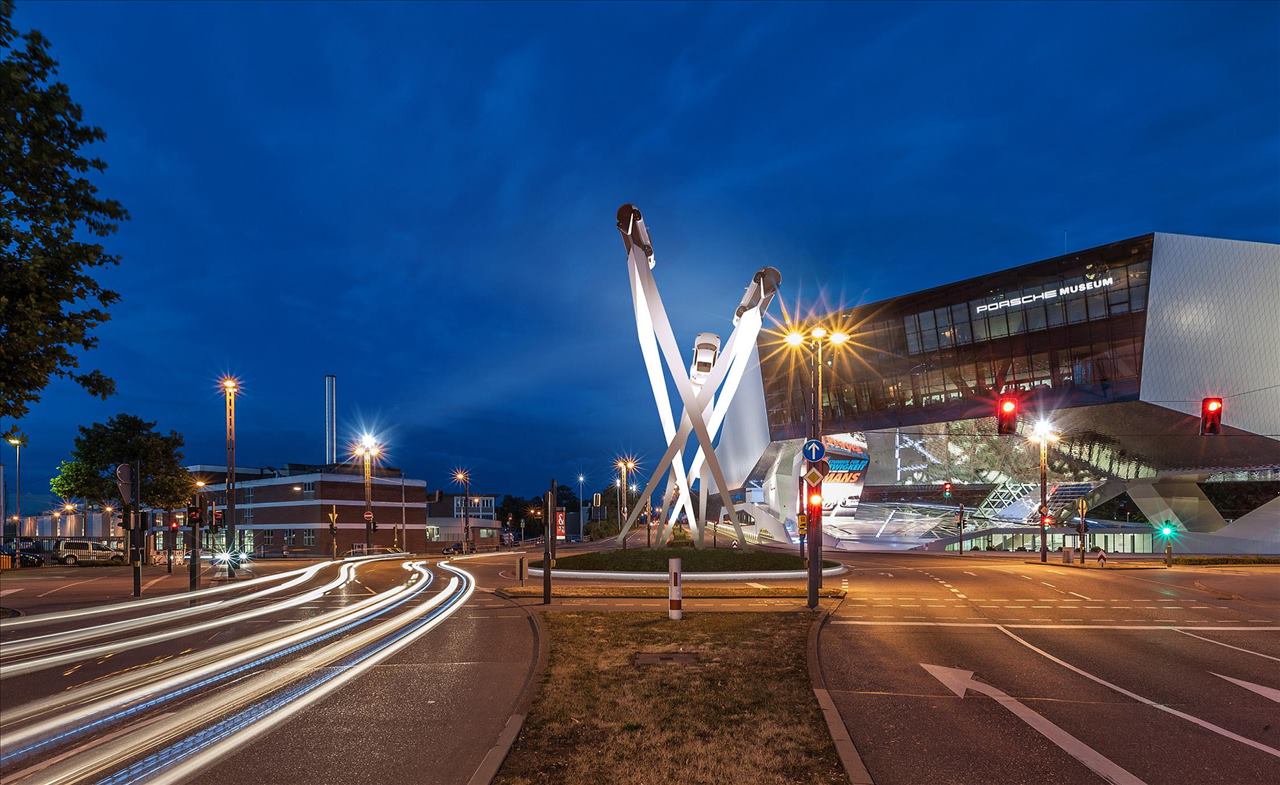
(420, 198)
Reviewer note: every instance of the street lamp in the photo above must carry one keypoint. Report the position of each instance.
(16, 441)
(368, 449)
(230, 388)
(463, 477)
(70, 510)
(624, 465)
(581, 479)
(815, 339)
(1043, 434)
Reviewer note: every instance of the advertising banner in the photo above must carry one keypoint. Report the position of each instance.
(842, 488)
(560, 533)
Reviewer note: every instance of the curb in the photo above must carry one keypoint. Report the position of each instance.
(492, 761)
(854, 768)
(1087, 567)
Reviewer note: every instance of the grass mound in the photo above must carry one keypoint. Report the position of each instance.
(692, 560)
(1192, 560)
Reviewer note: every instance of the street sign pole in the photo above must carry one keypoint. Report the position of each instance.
(193, 568)
(333, 533)
(547, 536)
(961, 524)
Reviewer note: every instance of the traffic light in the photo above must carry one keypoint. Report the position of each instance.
(217, 519)
(193, 514)
(1046, 520)
(173, 524)
(1007, 415)
(1210, 416)
(946, 490)
(1166, 530)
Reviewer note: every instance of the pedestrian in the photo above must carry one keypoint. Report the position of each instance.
(1102, 558)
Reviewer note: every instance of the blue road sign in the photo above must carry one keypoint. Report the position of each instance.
(813, 450)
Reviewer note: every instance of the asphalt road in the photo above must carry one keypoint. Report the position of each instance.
(306, 676)
(1068, 675)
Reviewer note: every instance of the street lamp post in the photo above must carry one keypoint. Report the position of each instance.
(230, 387)
(816, 338)
(581, 479)
(624, 466)
(463, 478)
(16, 441)
(1043, 434)
(367, 450)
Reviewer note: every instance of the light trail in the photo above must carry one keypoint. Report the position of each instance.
(182, 732)
(120, 607)
(180, 762)
(54, 639)
(51, 661)
(96, 715)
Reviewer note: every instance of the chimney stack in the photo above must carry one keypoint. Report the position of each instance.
(330, 419)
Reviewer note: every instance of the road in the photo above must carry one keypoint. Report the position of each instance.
(1067, 675)
(302, 672)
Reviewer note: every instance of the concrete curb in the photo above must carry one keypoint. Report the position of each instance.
(1059, 563)
(608, 575)
(854, 768)
(492, 761)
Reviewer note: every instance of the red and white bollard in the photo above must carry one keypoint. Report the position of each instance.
(674, 592)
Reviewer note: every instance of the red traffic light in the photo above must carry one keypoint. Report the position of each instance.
(1007, 415)
(1210, 416)
(173, 526)
(946, 490)
(1046, 520)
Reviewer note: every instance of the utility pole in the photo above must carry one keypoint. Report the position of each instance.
(229, 387)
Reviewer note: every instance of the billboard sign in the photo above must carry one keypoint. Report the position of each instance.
(847, 459)
(560, 533)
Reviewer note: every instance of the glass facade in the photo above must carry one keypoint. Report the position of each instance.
(1062, 332)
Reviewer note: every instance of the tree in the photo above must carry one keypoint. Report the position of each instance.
(90, 474)
(49, 214)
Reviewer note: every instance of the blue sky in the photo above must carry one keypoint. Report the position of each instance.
(420, 198)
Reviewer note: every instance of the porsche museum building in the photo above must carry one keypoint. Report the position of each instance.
(1115, 347)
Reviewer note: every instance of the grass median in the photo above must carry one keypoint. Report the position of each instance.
(736, 708)
(691, 560)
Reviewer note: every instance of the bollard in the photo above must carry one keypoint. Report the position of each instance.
(674, 591)
(524, 570)
(1168, 554)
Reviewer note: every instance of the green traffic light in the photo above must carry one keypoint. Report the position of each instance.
(1166, 530)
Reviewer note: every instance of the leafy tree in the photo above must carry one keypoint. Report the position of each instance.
(50, 213)
(90, 474)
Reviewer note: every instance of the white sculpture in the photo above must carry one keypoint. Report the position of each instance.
(703, 410)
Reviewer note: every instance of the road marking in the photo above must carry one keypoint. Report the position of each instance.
(1135, 696)
(69, 585)
(1270, 693)
(966, 572)
(1050, 585)
(1081, 596)
(757, 585)
(961, 681)
(153, 582)
(7, 592)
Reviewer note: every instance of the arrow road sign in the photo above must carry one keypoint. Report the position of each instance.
(813, 450)
(960, 681)
(124, 481)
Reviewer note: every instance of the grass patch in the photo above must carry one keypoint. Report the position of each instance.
(1191, 560)
(690, 591)
(692, 560)
(743, 713)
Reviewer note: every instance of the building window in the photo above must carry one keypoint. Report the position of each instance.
(308, 537)
(268, 538)
(308, 487)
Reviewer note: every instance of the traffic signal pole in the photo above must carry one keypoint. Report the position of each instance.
(815, 510)
(193, 569)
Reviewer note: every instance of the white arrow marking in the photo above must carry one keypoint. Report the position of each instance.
(1270, 693)
(958, 681)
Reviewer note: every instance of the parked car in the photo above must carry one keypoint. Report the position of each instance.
(21, 558)
(851, 501)
(73, 552)
(450, 550)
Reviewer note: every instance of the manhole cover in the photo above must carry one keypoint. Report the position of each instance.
(666, 658)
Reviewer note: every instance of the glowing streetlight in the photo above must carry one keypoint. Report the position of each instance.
(16, 441)
(1044, 434)
(463, 477)
(795, 338)
(367, 449)
(230, 389)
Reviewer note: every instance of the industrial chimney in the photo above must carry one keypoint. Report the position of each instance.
(330, 419)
